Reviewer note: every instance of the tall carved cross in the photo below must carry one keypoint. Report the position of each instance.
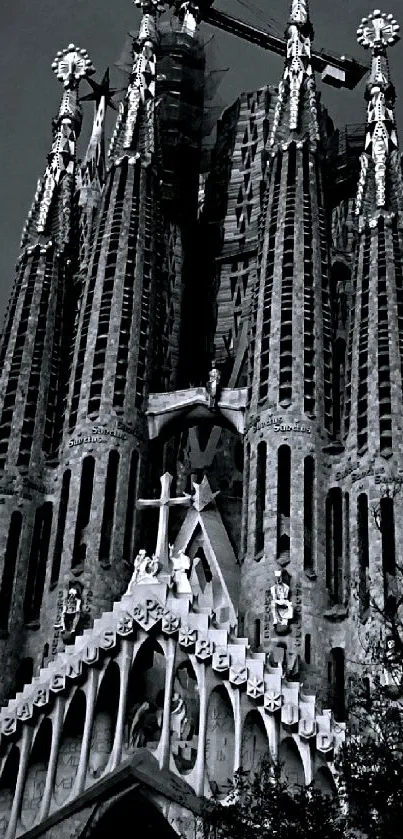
(164, 502)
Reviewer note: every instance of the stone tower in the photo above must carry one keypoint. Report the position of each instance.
(289, 416)
(32, 345)
(371, 466)
(93, 325)
(200, 435)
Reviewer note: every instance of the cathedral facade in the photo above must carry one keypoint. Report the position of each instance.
(201, 435)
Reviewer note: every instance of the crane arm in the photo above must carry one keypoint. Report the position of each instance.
(338, 71)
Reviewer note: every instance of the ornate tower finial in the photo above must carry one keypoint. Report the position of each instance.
(299, 11)
(92, 172)
(190, 12)
(297, 70)
(141, 90)
(70, 66)
(377, 32)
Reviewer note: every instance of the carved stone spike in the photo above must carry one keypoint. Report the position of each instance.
(187, 637)
(170, 623)
(125, 625)
(324, 741)
(221, 661)
(238, 674)
(204, 649)
(25, 710)
(289, 714)
(9, 724)
(307, 728)
(255, 687)
(272, 701)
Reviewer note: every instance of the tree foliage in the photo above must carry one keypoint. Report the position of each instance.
(265, 806)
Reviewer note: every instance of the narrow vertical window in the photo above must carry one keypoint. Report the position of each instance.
(387, 524)
(10, 562)
(334, 545)
(309, 479)
(109, 507)
(338, 384)
(363, 551)
(307, 649)
(131, 500)
(260, 496)
(257, 638)
(245, 517)
(37, 562)
(83, 512)
(24, 674)
(61, 524)
(283, 501)
(347, 569)
(336, 677)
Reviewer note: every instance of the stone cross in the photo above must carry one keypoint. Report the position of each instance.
(164, 502)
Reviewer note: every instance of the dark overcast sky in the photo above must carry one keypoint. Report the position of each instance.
(33, 30)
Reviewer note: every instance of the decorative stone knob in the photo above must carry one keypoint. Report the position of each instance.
(148, 6)
(71, 65)
(378, 30)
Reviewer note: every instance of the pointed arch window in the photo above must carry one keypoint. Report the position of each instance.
(334, 545)
(387, 525)
(283, 501)
(10, 563)
(309, 481)
(37, 562)
(83, 512)
(130, 506)
(363, 552)
(261, 455)
(109, 507)
(61, 524)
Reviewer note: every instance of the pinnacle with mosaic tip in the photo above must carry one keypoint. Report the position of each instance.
(71, 65)
(148, 6)
(378, 30)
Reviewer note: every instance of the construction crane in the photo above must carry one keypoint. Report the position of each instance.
(338, 71)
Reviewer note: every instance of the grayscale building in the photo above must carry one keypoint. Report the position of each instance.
(201, 406)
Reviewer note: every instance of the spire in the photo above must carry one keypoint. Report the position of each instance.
(190, 12)
(93, 166)
(92, 172)
(378, 32)
(298, 77)
(135, 127)
(70, 66)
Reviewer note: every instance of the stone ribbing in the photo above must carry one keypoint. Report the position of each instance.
(239, 169)
(374, 405)
(290, 370)
(290, 345)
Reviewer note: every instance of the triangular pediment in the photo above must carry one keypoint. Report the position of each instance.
(215, 572)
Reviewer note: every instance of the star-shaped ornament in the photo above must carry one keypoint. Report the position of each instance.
(203, 495)
(100, 89)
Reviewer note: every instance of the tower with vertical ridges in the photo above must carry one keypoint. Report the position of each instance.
(373, 431)
(114, 351)
(30, 360)
(289, 413)
(281, 472)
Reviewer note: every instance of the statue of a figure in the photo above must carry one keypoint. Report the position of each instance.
(180, 725)
(180, 564)
(281, 606)
(392, 673)
(213, 385)
(145, 725)
(145, 570)
(71, 609)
